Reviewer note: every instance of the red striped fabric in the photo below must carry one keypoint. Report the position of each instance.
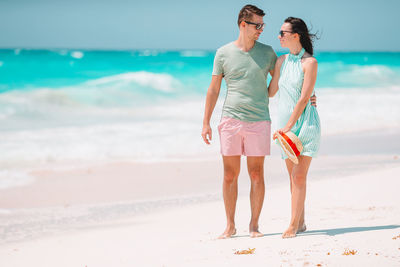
(291, 144)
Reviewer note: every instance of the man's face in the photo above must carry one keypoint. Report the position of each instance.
(251, 30)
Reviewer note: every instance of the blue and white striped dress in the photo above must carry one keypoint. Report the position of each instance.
(307, 127)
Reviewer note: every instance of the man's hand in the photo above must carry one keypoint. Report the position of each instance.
(206, 134)
(313, 99)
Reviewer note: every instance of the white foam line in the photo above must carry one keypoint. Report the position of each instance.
(10, 179)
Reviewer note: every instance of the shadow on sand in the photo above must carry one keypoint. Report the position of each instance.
(337, 231)
(340, 231)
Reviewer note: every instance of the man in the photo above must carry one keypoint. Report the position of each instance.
(245, 125)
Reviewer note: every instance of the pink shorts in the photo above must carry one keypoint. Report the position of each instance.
(244, 138)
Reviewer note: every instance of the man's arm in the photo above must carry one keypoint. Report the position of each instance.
(211, 100)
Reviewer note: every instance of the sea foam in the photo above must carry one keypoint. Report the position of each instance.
(10, 178)
(77, 54)
(368, 76)
(171, 129)
(159, 81)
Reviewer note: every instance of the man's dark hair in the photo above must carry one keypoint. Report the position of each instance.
(247, 12)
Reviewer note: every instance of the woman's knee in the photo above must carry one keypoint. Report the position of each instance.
(299, 180)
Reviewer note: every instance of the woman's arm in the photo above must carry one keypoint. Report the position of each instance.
(273, 85)
(310, 76)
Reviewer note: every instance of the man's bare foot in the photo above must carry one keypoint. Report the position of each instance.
(290, 232)
(228, 233)
(302, 228)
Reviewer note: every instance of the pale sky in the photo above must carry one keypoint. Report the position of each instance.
(352, 25)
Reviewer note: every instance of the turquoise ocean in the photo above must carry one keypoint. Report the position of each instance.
(79, 106)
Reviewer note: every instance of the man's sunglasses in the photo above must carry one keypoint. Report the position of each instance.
(282, 33)
(259, 26)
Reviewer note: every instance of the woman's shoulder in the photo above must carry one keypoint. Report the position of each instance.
(309, 63)
(279, 61)
(282, 58)
(309, 59)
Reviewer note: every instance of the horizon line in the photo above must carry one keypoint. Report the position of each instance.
(182, 49)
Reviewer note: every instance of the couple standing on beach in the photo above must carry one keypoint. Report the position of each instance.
(245, 126)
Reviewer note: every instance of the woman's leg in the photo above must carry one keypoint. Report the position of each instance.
(298, 183)
(289, 167)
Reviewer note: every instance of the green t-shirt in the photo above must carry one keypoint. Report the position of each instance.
(245, 75)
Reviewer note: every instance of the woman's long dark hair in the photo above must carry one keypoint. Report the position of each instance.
(306, 38)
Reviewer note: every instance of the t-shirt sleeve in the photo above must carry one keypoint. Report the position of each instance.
(273, 60)
(218, 64)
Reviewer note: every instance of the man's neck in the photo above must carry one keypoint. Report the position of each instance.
(244, 44)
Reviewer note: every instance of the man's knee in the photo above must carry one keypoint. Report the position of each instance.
(230, 175)
(256, 175)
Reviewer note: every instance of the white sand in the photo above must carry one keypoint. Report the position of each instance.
(169, 214)
(357, 210)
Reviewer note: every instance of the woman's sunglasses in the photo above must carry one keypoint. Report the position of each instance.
(282, 33)
(259, 26)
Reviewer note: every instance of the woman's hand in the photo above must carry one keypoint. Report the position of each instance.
(283, 130)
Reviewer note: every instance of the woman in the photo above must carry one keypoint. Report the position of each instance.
(295, 75)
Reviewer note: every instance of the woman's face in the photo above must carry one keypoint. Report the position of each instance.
(286, 37)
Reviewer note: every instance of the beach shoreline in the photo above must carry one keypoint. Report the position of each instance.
(74, 183)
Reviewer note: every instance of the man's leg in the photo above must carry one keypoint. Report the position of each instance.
(255, 166)
(289, 166)
(230, 192)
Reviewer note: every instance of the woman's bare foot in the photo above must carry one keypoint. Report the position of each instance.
(229, 232)
(290, 232)
(254, 232)
(302, 228)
